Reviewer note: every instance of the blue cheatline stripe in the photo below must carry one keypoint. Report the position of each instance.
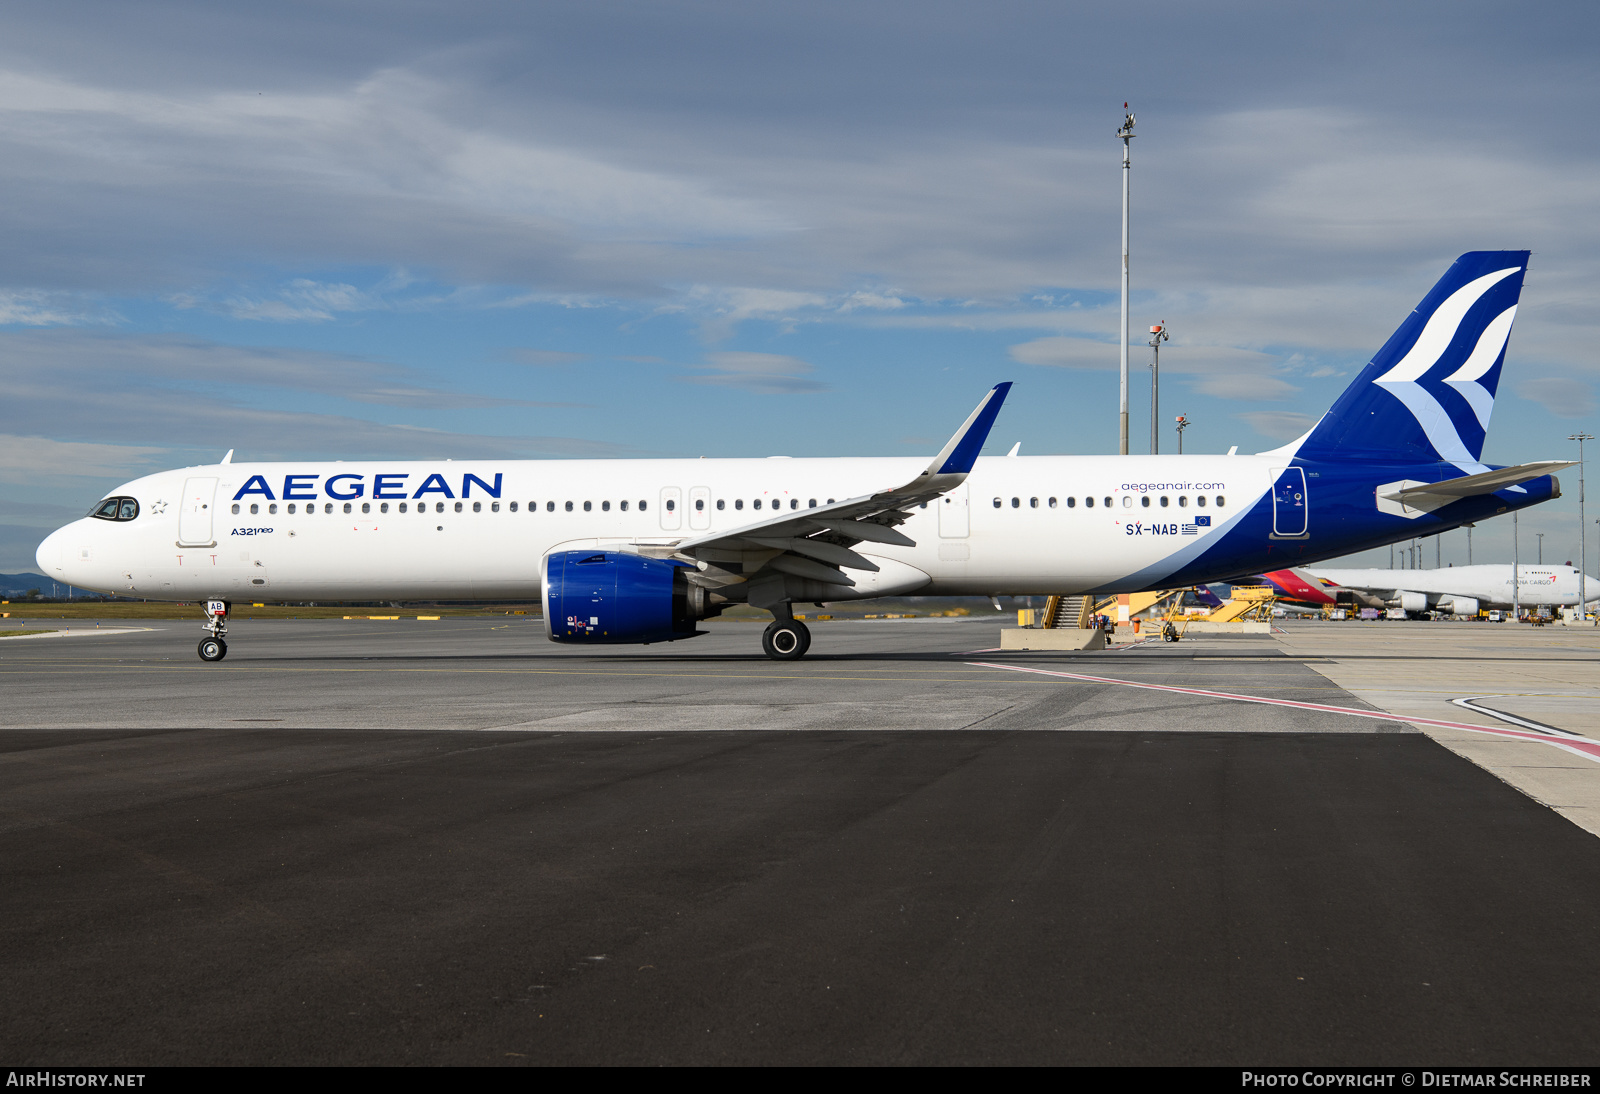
(966, 451)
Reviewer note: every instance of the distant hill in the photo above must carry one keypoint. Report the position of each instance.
(21, 583)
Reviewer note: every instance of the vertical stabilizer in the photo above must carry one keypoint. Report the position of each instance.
(1427, 395)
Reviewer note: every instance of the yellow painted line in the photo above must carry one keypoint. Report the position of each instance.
(427, 617)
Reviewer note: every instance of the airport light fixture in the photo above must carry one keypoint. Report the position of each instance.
(1540, 537)
(1158, 335)
(1583, 537)
(1183, 423)
(1125, 134)
(1516, 573)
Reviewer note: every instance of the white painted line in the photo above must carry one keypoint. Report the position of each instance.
(1578, 746)
(1469, 703)
(80, 633)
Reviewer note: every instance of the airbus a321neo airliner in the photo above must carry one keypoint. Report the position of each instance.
(639, 551)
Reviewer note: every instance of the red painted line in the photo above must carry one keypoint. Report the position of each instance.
(1589, 750)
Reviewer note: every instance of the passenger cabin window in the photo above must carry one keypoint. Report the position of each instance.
(569, 507)
(328, 508)
(1183, 502)
(550, 506)
(738, 503)
(721, 504)
(514, 507)
(235, 508)
(494, 506)
(1145, 501)
(672, 506)
(1033, 503)
(273, 508)
(811, 503)
(384, 507)
(366, 507)
(254, 509)
(1163, 501)
(1052, 503)
(623, 506)
(438, 507)
(1221, 501)
(1016, 503)
(1107, 502)
(1088, 503)
(1201, 501)
(291, 508)
(1072, 503)
(998, 503)
(477, 507)
(699, 505)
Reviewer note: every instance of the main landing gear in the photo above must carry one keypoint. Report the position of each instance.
(214, 648)
(786, 640)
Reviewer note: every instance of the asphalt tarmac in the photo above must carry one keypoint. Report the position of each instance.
(453, 842)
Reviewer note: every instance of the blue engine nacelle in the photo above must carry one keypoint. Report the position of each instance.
(613, 596)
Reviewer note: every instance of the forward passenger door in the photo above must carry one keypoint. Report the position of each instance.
(194, 517)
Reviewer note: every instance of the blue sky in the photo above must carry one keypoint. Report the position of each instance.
(741, 229)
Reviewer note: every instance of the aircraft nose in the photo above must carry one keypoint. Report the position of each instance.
(48, 556)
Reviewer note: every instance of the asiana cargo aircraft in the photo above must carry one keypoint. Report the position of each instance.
(640, 551)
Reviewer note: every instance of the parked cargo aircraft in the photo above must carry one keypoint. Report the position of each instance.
(1458, 590)
(639, 551)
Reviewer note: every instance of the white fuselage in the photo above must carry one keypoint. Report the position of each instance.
(444, 529)
(1489, 585)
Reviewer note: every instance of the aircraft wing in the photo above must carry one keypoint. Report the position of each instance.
(814, 543)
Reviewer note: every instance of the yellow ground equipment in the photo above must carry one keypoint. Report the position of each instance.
(1248, 602)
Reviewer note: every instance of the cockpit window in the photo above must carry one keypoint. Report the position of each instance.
(116, 509)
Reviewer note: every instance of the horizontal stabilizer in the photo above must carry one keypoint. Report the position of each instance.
(1410, 498)
(1488, 482)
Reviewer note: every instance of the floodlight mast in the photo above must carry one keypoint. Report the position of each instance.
(1583, 537)
(1158, 335)
(1126, 135)
(1183, 423)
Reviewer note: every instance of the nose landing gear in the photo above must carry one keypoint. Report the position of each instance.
(214, 648)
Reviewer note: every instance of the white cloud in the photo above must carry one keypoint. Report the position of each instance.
(1283, 425)
(760, 373)
(1560, 395)
(27, 460)
(34, 308)
(1224, 371)
(543, 357)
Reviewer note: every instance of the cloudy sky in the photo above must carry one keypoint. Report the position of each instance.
(630, 229)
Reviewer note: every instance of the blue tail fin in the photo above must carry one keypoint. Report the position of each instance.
(1427, 394)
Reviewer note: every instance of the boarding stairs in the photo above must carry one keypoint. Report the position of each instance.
(1068, 612)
